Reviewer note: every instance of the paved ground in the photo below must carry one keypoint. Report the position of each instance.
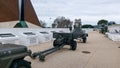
(104, 53)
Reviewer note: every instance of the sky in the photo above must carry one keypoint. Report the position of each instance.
(90, 11)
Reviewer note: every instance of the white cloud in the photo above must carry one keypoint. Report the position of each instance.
(89, 11)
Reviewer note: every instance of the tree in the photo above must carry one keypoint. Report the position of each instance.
(102, 22)
(61, 22)
(111, 23)
(103, 26)
(87, 26)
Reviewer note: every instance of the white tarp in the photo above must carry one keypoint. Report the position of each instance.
(28, 38)
(113, 36)
(22, 39)
(114, 32)
(8, 38)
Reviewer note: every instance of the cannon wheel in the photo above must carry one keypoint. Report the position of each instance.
(84, 40)
(41, 58)
(73, 45)
(20, 64)
(55, 43)
(33, 56)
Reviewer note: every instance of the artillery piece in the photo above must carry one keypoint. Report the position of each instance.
(62, 39)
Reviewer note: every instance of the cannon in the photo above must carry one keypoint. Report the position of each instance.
(12, 56)
(103, 29)
(61, 39)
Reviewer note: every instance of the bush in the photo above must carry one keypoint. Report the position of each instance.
(87, 26)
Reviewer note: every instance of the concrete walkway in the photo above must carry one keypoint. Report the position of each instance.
(104, 53)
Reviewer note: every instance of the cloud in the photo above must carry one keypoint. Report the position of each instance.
(88, 10)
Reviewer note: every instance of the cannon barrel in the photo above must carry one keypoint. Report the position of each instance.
(58, 44)
(44, 53)
(47, 52)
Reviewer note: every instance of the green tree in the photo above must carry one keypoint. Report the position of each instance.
(87, 26)
(61, 22)
(102, 22)
(111, 23)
